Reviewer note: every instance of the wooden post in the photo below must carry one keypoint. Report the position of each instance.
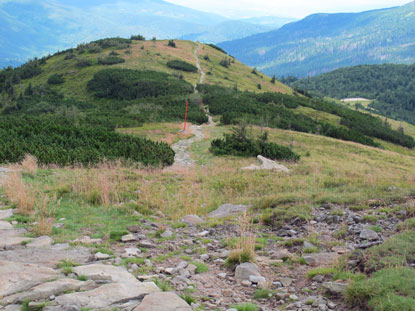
(185, 116)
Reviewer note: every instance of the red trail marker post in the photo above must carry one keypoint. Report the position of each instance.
(185, 116)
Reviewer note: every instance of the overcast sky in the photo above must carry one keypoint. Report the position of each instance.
(290, 8)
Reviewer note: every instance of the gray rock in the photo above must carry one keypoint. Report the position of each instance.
(164, 301)
(108, 294)
(320, 258)
(17, 277)
(257, 279)
(281, 254)
(267, 164)
(44, 291)
(146, 244)
(293, 297)
(43, 241)
(367, 234)
(167, 234)
(228, 210)
(192, 220)
(286, 282)
(106, 272)
(128, 238)
(12, 242)
(132, 252)
(308, 245)
(101, 256)
(6, 213)
(86, 240)
(48, 257)
(5, 225)
(12, 308)
(245, 270)
(335, 288)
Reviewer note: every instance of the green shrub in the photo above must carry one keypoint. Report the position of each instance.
(239, 144)
(83, 62)
(111, 60)
(263, 293)
(181, 65)
(200, 267)
(320, 271)
(246, 307)
(188, 298)
(138, 38)
(171, 43)
(126, 84)
(117, 235)
(56, 79)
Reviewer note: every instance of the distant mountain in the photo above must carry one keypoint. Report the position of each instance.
(392, 87)
(324, 42)
(229, 29)
(272, 22)
(37, 27)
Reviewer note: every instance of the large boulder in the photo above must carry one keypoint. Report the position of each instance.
(107, 295)
(267, 164)
(163, 301)
(227, 210)
(192, 220)
(16, 277)
(367, 234)
(245, 270)
(6, 213)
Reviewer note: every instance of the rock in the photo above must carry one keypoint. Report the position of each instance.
(335, 288)
(48, 257)
(43, 241)
(367, 234)
(128, 238)
(182, 265)
(308, 245)
(5, 225)
(267, 164)
(132, 252)
(204, 257)
(257, 279)
(192, 220)
(86, 240)
(12, 308)
(245, 270)
(11, 242)
(167, 234)
(227, 292)
(146, 244)
(134, 228)
(163, 301)
(192, 268)
(281, 254)
(101, 256)
(17, 277)
(106, 272)
(203, 233)
(228, 210)
(246, 283)
(320, 258)
(286, 282)
(45, 290)
(108, 294)
(293, 297)
(6, 213)
(222, 276)
(169, 271)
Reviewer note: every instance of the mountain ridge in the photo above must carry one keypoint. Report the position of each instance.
(324, 42)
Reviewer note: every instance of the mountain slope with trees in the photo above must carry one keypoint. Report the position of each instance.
(323, 42)
(391, 87)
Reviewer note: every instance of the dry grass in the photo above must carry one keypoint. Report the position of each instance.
(99, 185)
(243, 250)
(19, 194)
(29, 164)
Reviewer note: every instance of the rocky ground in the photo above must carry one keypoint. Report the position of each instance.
(189, 259)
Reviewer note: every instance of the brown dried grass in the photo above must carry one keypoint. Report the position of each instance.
(29, 164)
(19, 194)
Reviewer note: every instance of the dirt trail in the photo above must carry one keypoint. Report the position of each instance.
(202, 73)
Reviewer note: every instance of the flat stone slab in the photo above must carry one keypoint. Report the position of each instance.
(6, 213)
(11, 242)
(5, 225)
(12, 232)
(17, 277)
(44, 291)
(43, 241)
(321, 259)
(163, 301)
(108, 295)
(48, 257)
(228, 210)
(267, 164)
(106, 272)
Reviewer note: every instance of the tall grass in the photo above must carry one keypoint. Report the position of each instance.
(29, 164)
(19, 194)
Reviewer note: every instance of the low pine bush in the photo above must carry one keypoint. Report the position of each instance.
(181, 65)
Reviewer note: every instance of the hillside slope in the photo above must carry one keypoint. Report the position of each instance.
(324, 42)
(391, 87)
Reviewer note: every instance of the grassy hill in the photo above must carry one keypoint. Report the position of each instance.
(324, 42)
(151, 55)
(390, 87)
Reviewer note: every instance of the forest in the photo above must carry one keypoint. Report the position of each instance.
(392, 87)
